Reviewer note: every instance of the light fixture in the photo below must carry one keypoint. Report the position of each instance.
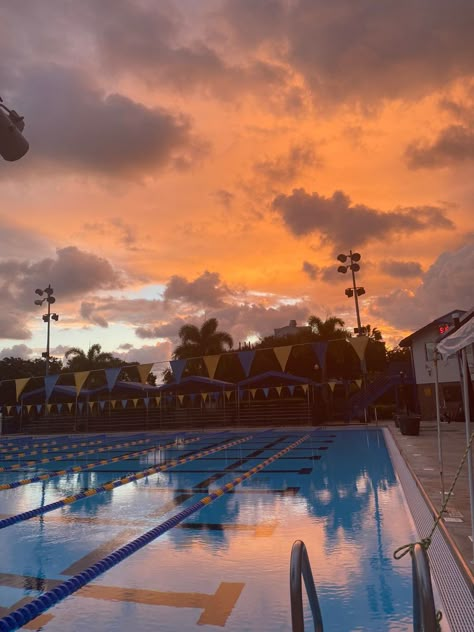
(13, 145)
(49, 299)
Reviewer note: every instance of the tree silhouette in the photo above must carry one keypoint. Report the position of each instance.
(206, 340)
(329, 329)
(95, 358)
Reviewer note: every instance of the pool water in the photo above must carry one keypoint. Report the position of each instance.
(227, 565)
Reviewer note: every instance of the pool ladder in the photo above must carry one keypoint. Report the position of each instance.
(424, 612)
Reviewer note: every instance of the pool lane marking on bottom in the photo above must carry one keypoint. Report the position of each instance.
(38, 606)
(27, 515)
(216, 608)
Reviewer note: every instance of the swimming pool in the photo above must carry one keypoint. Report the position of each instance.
(227, 565)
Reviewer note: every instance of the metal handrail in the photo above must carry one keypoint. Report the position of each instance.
(300, 566)
(424, 612)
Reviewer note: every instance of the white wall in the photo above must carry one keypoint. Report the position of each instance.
(447, 369)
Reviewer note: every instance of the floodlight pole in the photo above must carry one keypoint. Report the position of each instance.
(356, 298)
(48, 333)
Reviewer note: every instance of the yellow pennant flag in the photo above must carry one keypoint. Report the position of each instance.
(282, 355)
(332, 385)
(8, 409)
(91, 405)
(211, 362)
(305, 388)
(228, 394)
(113, 402)
(204, 396)
(70, 405)
(358, 382)
(48, 407)
(144, 371)
(278, 389)
(135, 402)
(20, 384)
(359, 344)
(253, 391)
(79, 378)
(29, 407)
(158, 400)
(181, 398)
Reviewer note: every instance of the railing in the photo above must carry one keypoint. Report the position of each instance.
(300, 566)
(424, 612)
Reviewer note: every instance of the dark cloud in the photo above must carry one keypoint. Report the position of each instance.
(224, 197)
(354, 51)
(206, 290)
(311, 270)
(17, 351)
(343, 224)
(445, 286)
(402, 269)
(71, 273)
(159, 353)
(73, 124)
(288, 166)
(454, 145)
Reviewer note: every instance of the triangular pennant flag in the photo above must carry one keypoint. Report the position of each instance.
(59, 407)
(359, 344)
(158, 400)
(48, 407)
(228, 394)
(29, 407)
(49, 384)
(291, 388)
(204, 396)
(38, 408)
(192, 397)
(266, 391)
(91, 405)
(102, 404)
(146, 401)
(246, 359)
(332, 385)
(113, 402)
(18, 408)
(70, 405)
(278, 389)
(80, 405)
(111, 375)
(181, 398)
(305, 388)
(253, 391)
(124, 403)
(177, 366)
(20, 384)
(135, 402)
(320, 349)
(79, 378)
(282, 354)
(144, 371)
(211, 362)
(10, 407)
(358, 382)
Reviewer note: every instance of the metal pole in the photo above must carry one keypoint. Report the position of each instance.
(47, 337)
(356, 299)
(467, 418)
(438, 424)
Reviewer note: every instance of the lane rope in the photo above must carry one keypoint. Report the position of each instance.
(82, 468)
(70, 455)
(107, 487)
(47, 600)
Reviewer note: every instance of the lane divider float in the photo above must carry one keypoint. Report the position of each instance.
(107, 487)
(47, 600)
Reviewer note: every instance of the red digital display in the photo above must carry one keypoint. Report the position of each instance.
(443, 329)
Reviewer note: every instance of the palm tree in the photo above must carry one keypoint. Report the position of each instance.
(374, 333)
(95, 358)
(329, 329)
(206, 340)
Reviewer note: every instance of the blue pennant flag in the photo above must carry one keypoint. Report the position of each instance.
(266, 391)
(320, 349)
(49, 384)
(291, 389)
(111, 376)
(177, 366)
(246, 359)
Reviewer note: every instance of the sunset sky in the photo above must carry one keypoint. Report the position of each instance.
(198, 158)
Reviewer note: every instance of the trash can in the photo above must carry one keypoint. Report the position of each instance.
(409, 425)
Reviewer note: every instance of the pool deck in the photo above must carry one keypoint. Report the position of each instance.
(421, 454)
